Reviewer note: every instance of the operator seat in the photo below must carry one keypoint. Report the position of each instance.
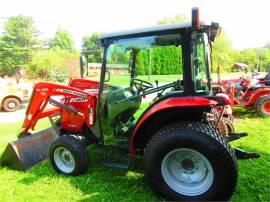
(121, 104)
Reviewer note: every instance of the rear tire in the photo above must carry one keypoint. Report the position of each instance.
(11, 104)
(69, 156)
(190, 161)
(262, 105)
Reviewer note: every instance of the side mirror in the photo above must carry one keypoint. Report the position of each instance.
(107, 76)
(83, 66)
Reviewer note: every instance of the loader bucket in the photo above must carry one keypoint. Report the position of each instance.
(28, 151)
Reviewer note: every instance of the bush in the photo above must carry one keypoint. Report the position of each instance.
(57, 60)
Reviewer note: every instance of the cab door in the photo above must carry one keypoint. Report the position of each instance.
(119, 100)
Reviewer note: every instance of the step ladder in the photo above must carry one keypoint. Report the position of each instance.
(116, 157)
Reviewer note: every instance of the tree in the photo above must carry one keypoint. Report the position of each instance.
(63, 40)
(175, 19)
(90, 45)
(56, 60)
(222, 54)
(19, 39)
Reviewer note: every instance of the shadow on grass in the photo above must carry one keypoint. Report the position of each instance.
(101, 183)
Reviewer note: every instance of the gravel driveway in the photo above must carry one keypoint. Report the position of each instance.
(8, 117)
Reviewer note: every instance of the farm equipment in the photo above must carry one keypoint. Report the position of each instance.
(12, 95)
(248, 92)
(186, 154)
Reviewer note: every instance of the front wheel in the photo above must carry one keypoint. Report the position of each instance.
(11, 104)
(262, 105)
(190, 161)
(69, 156)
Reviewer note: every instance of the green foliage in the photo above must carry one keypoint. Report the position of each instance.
(19, 39)
(63, 40)
(164, 60)
(90, 45)
(174, 19)
(117, 55)
(44, 62)
(222, 54)
(264, 64)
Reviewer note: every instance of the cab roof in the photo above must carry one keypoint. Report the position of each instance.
(151, 29)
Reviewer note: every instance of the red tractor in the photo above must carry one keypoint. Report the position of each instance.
(248, 92)
(186, 156)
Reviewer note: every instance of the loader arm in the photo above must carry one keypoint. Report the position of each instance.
(44, 93)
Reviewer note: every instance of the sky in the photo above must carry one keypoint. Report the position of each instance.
(245, 21)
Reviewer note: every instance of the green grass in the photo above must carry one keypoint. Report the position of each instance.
(118, 80)
(125, 79)
(103, 184)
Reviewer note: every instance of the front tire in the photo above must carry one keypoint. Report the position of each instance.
(262, 105)
(69, 156)
(190, 161)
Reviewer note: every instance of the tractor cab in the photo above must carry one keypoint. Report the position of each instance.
(144, 66)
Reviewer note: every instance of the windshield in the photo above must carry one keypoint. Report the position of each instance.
(200, 62)
(150, 58)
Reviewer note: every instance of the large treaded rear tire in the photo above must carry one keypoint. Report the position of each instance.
(199, 138)
(77, 156)
(262, 105)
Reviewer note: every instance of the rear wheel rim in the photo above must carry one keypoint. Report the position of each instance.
(64, 160)
(187, 172)
(266, 107)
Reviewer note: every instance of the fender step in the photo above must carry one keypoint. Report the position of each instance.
(235, 136)
(116, 157)
(242, 154)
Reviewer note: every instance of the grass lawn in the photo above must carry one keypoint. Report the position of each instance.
(104, 184)
(118, 80)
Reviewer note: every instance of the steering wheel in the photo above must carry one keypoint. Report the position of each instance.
(141, 85)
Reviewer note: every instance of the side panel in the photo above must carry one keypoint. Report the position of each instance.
(258, 93)
(168, 104)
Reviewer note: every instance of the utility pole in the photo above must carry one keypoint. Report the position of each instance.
(258, 60)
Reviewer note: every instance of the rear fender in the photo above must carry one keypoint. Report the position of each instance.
(170, 103)
(258, 93)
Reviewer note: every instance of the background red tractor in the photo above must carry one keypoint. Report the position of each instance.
(186, 154)
(249, 92)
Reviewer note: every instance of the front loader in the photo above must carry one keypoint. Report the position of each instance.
(153, 99)
(54, 101)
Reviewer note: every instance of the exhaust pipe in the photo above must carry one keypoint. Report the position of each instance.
(28, 151)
